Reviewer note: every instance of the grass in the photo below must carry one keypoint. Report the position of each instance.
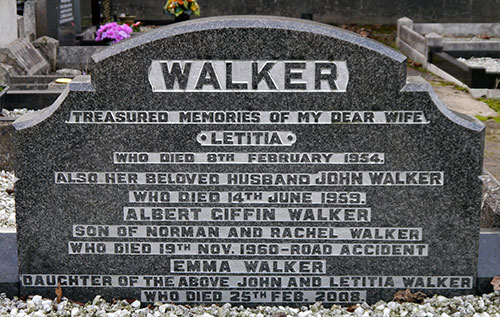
(457, 87)
(483, 118)
(493, 103)
(448, 83)
(386, 34)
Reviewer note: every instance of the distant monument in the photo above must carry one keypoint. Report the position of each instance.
(59, 19)
(248, 160)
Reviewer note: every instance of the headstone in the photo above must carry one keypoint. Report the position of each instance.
(24, 57)
(56, 18)
(248, 160)
(8, 21)
(29, 17)
(48, 47)
(77, 14)
(66, 19)
(41, 18)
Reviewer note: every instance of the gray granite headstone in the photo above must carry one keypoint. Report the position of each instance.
(57, 19)
(248, 160)
(66, 22)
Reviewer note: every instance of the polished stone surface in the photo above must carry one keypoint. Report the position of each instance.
(427, 206)
(489, 259)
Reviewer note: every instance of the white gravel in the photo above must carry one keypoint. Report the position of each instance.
(7, 202)
(463, 306)
(492, 65)
(15, 113)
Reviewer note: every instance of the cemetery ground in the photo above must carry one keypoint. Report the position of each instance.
(469, 305)
(455, 97)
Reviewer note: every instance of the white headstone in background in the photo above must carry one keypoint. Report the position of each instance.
(8, 22)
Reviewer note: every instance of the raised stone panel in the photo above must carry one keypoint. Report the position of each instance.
(248, 160)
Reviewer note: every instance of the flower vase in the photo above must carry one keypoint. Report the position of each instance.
(128, 19)
(106, 42)
(182, 17)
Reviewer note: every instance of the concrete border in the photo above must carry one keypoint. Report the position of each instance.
(459, 29)
(424, 43)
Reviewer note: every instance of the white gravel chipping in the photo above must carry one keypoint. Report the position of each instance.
(15, 113)
(463, 306)
(492, 65)
(7, 202)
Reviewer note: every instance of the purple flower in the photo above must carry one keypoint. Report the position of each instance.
(113, 31)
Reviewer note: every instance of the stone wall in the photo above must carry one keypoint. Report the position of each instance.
(331, 11)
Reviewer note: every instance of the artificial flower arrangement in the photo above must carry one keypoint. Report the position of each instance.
(136, 27)
(178, 7)
(113, 31)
